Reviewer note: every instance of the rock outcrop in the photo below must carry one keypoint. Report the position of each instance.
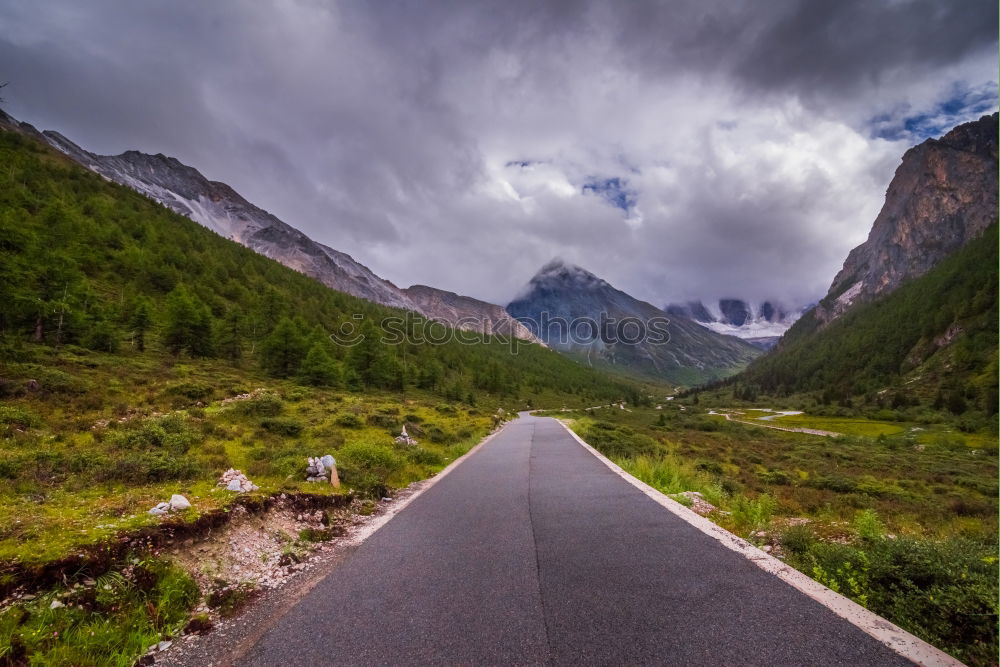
(943, 195)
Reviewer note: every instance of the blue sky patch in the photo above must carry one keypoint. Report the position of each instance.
(963, 105)
(614, 190)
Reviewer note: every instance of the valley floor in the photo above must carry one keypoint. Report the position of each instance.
(533, 551)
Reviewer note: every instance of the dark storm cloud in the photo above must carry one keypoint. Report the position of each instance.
(841, 46)
(679, 149)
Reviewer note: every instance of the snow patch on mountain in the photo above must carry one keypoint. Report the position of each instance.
(760, 324)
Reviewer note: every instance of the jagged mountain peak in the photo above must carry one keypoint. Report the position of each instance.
(978, 136)
(759, 323)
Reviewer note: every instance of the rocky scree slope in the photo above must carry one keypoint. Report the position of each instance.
(464, 312)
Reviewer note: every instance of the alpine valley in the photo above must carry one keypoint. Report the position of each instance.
(161, 337)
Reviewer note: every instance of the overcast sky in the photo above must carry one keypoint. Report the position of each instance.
(678, 149)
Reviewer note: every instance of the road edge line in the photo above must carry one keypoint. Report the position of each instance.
(894, 637)
(241, 647)
(382, 519)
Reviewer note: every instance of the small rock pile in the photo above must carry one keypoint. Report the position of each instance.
(256, 393)
(405, 439)
(234, 480)
(698, 502)
(177, 503)
(316, 468)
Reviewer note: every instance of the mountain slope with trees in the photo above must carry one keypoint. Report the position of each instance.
(931, 344)
(93, 264)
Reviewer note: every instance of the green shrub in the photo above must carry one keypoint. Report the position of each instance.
(367, 466)
(383, 421)
(282, 426)
(943, 592)
(193, 390)
(422, 456)
(618, 441)
(348, 421)
(751, 514)
(53, 380)
(147, 467)
(834, 483)
(439, 435)
(798, 539)
(316, 534)
(776, 477)
(172, 433)
(297, 394)
(867, 525)
(265, 405)
(16, 417)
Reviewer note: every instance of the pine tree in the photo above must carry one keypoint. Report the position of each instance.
(188, 324)
(103, 336)
(373, 362)
(140, 323)
(318, 368)
(282, 351)
(229, 337)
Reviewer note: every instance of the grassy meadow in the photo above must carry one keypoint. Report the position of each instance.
(108, 436)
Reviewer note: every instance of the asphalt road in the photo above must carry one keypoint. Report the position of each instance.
(533, 552)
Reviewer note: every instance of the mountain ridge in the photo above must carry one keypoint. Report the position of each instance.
(219, 207)
(464, 312)
(911, 320)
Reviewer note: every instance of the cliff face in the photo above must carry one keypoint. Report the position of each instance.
(943, 195)
(464, 312)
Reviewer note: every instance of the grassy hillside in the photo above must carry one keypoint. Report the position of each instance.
(927, 350)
